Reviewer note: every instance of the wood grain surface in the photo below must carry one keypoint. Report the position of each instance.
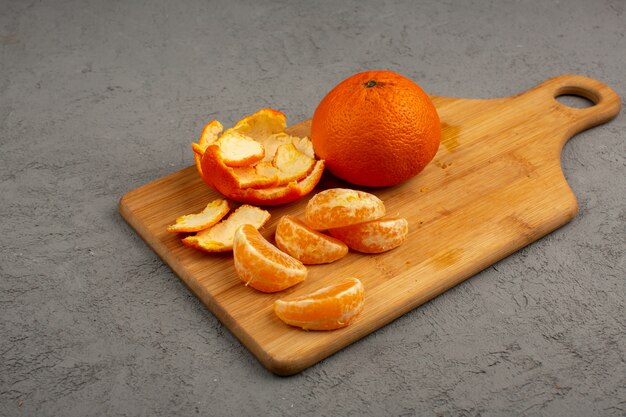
(495, 186)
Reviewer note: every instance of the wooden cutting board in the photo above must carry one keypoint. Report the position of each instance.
(495, 186)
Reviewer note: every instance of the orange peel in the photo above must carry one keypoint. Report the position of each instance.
(208, 136)
(261, 124)
(328, 308)
(239, 150)
(273, 196)
(375, 236)
(271, 143)
(292, 164)
(226, 178)
(263, 266)
(307, 245)
(210, 215)
(257, 154)
(219, 238)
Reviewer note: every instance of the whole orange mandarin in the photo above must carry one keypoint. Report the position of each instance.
(376, 128)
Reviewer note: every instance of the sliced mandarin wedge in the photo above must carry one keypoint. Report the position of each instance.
(328, 308)
(239, 150)
(262, 265)
(212, 213)
(338, 207)
(219, 238)
(375, 236)
(307, 245)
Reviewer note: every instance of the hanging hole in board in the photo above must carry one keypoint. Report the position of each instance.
(573, 100)
(576, 97)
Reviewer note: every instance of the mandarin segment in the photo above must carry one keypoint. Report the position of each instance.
(338, 207)
(328, 308)
(219, 238)
(307, 245)
(261, 265)
(375, 236)
(210, 215)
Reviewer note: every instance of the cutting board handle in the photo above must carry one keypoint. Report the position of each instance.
(606, 102)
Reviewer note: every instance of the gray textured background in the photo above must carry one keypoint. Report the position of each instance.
(100, 97)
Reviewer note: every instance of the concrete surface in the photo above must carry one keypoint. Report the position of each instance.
(100, 97)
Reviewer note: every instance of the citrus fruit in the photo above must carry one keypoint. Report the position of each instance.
(376, 128)
(262, 265)
(307, 245)
(257, 154)
(338, 207)
(328, 308)
(219, 238)
(375, 236)
(212, 213)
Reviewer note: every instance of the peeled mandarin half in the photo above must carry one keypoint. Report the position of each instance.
(219, 238)
(338, 207)
(328, 308)
(375, 236)
(307, 245)
(212, 213)
(263, 266)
